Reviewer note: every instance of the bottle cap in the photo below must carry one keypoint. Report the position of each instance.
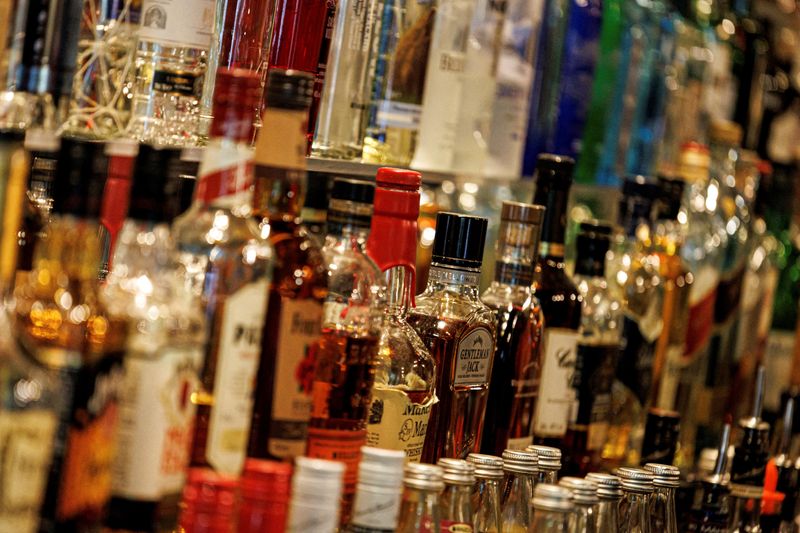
(486, 466)
(520, 461)
(237, 97)
(459, 240)
(552, 498)
(289, 89)
(592, 245)
(210, 499)
(156, 189)
(725, 132)
(351, 190)
(549, 457)
(635, 480)
(661, 436)
(553, 182)
(381, 468)
(42, 140)
(555, 170)
(523, 213)
(398, 178)
(640, 187)
(350, 205)
(318, 481)
(267, 481)
(584, 491)
(608, 487)
(81, 174)
(457, 471)
(423, 476)
(671, 197)
(664, 475)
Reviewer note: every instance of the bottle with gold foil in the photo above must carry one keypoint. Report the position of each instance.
(228, 265)
(64, 327)
(299, 285)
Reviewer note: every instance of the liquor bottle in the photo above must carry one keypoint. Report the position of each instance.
(609, 493)
(62, 324)
(405, 372)
(666, 479)
(316, 495)
(458, 330)
(660, 442)
(282, 400)
(228, 265)
(713, 513)
(116, 196)
(487, 492)
(634, 509)
(400, 60)
(517, 358)
(560, 300)
(314, 214)
(598, 350)
(170, 67)
(521, 469)
(376, 508)
(456, 499)
(345, 355)
(552, 506)
(583, 518)
(164, 352)
(549, 463)
(420, 511)
(341, 120)
(209, 502)
(264, 503)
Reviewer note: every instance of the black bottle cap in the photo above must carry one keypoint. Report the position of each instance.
(350, 205)
(592, 244)
(289, 89)
(671, 197)
(362, 192)
(459, 240)
(639, 197)
(555, 169)
(553, 182)
(156, 188)
(81, 174)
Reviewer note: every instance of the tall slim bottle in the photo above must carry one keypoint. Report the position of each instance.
(458, 329)
(228, 265)
(517, 358)
(487, 492)
(521, 468)
(666, 480)
(560, 300)
(634, 509)
(316, 494)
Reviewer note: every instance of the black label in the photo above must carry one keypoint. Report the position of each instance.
(176, 83)
(594, 375)
(635, 369)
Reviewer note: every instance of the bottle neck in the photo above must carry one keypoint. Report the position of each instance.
(457, 503)
(418, 504)
(545, 521)
(746, 514)
(393, 236)
(400, 281)
(608, 516)
(547, 476)
(463, 281)
(516, 252)
(554, 225)
(347, 235)
(636, 510)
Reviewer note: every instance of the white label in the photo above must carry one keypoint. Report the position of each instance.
(395, 423)
(519, 443)
(474, 358)
(26, 449)
(310, 517)
(156, 423)
(178, 22)
(376, 508)
(398, 115)
(238, 353)
(556, 394)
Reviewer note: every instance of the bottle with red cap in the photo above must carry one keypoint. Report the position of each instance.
(210, 502)
(265, 487)
(116, 195)
(405, 372)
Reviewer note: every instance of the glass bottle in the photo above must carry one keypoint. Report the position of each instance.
(344, 360)
(405, 373)
(661, 432)
(549, 463)
(314, 214)
(209, 502)
(420, 511)
(583, 518)
(264, 503)
(456, 500)
(487, 491)
(282, 399)
(560, 300)
(316, 495)
(400, 58)
(63, 325)
(666, 479)
(512, 393)
(598, 350)
(713, 513)
(163, 356)
(116, 195)
(634, 509)
(609, 494)
(552, 507)
(376, 508)
(458, 329)
(521, 469)
(170, 66)
(227, 265)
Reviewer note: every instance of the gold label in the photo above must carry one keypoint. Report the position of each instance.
(395, 423)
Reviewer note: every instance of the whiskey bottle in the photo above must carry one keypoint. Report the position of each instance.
(405, 372)
(584, 499)
(517, 363)
(420, 511)
(282, 406)
(598, 351)
(552, 507)
(227, 264)
(521, 468)
(264, 504)
(666, 479)
(560, 300)
(456, 500)
(549, 463)
(316, 494)
(713, 513)
(487, 492)
(609, 493)
(634, 509)
(209, 502)
(458, 329)
(376, 508)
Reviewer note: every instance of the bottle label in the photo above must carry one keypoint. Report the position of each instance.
(298, 333)
(177, 83)
(156, 423)
(238, 353)
(225, 173)
(474, 358)
(338, 445)
(177, 22)
(595, 367)
(376, 510)
(556, 395)
(519, 443)
(401, 115)
(395, 423)
(450, 526)
(26, 448)
(700, 319)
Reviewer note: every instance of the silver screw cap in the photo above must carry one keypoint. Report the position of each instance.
(635, 480)
(457, 471)
(423, 476)
(486, 466)
(549, 457)
(520, 462)
(552, 498)
(608, 487)
(584, 491)
(664, 475)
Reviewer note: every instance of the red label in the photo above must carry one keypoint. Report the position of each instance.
(449, 526)
(699, 325)
(224, 182)
(338, 445)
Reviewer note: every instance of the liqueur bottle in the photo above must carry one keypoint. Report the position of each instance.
(227, 264)
(345, 356)
(666, 479)
(584, 499)
(209, 502)
(598, 350)
(552, 507)
(634, 509)
(487, 492)
(512, 393)
(456, 499)
(459, 332)
(560, 300)
(405, 372)
(62, 324)
(376, 508)
(420, 511)
(163, 356)
(521, 468)
(549, 463)
(282, 401)
(264, 503)
(609, 493)
(316, 495)
(713, 513)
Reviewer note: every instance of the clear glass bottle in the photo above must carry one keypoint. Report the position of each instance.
(666, 480)
(316, 496)
(517, 357)
(598, 351)
(713, 513)
(458, 330)
(228, 266)
(583, 518)
(376, 508)
(420, 511)
(552, 507)
(521, 469)
(405, 373)
(456, 500)
(549, 461)
(609, 493)
(487, 491)
(634, 509)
